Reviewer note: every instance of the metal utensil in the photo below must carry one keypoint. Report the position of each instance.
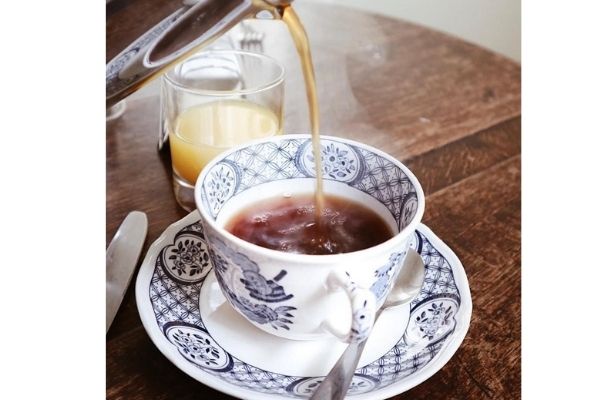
(121, 258)
(406, 286)
(250, 39)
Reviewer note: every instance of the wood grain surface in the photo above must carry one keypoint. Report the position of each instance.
(448, 109)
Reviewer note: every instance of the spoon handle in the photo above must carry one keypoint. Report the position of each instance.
(336, 383)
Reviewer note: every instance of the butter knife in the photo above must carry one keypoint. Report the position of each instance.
(121, 258)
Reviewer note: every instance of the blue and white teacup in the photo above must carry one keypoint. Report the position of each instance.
(299, 296)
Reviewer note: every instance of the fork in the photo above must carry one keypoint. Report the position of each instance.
(250, 39)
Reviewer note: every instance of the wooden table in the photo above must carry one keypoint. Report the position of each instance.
(448, 109)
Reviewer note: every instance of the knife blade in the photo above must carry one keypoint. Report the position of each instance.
(121, 258)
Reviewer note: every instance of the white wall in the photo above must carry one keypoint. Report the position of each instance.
(494, 24)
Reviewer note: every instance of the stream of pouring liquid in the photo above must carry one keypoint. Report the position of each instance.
(290, 18)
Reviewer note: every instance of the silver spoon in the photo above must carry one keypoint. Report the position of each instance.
(406, 286)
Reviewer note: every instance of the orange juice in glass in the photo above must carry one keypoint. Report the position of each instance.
(213, 101)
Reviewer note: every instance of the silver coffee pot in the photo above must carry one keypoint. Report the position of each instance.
(196, 24)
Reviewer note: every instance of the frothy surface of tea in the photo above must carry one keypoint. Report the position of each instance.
(289, 224)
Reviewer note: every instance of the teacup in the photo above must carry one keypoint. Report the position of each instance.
(299, 296)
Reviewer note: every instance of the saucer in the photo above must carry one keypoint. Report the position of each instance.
(191, 323)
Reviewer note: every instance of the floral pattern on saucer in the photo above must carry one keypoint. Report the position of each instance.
(187, 260)
(434, 321)
(197, 346)
(306, 387)
(431, 323)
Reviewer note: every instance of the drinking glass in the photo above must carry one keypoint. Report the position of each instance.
(215, 100)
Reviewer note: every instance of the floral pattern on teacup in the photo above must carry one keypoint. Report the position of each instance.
(220, 185)
(290, 158)
(339, 161)
(240, 278)
(408, 210)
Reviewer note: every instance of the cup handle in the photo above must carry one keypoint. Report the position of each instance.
(363, 303)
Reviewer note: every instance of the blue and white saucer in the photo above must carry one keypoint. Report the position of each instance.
(191, 323)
